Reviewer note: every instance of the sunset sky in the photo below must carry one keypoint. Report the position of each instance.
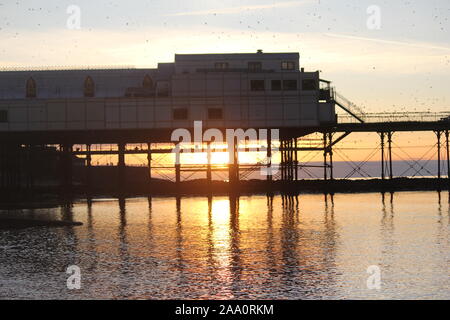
(404, 65)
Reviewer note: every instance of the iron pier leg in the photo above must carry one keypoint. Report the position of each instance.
(236, 160)
(292, 161)
(389, 134)
(448, 153)
(121, 165)
(67, 165)
(29, 166)
(269, 155)
(178, 164)
(283, 173)
(2, 166)
(330, 152)
(149, 160)
(289, 159)
(233, 169)
(382, 156)
(208, 168)
(325, 164)
(438, 135)
(88, 166)
(296, 159)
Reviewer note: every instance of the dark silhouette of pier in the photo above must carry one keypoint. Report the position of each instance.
(19, 153)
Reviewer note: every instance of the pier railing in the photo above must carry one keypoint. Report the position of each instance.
(351, 109)
(397, 117)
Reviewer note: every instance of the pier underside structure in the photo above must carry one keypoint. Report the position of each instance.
(20, 152)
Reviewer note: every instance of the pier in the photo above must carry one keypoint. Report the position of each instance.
(85, 114)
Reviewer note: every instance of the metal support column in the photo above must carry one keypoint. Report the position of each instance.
(330, 153)
(288, 160)
(121, 165)
(325, 164)
(88, 166)
(149, 160)
(382, 156)
(295, 160)
(178, 163)
(438, 135)
(448, 153)
(208, 166)
(389, 135)
(29, 164)
(269, 155)
(66, 166)
(233, 166)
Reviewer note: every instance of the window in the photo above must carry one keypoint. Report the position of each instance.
(309, 84)
(289, 85)
(276, 85)
(288, 65)
(148, 82)
(257, 85)
(215, 113)
(254, 66)
(180, 114)
(221, 65)
(31, 88)
(162, 88)
(3, 116)
(89, 87)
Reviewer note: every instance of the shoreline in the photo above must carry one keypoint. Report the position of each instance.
(48, 197)
(23, 223)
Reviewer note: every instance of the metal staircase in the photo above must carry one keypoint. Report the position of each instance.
(349, 107)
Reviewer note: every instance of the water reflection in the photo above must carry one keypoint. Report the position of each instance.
(263, 246)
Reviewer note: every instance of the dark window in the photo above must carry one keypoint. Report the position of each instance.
(257, 85)
(276, 85)
(221, 65)
(31, 88)
(3, 115)
(289, 85)
(89, 87)
(180, 114)
(309, 84)
(254, 66)
(288, 65)
(215, 113)
(148, 82)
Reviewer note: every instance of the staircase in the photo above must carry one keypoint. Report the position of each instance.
(349, 107)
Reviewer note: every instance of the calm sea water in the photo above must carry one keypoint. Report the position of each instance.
(252, 247)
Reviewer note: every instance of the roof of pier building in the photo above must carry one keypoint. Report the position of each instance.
(56, 83)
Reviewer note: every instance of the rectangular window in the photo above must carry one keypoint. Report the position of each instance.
(3, 116)
(254, 66)
(180, 114)
(221, 65)
(289, 85)
(309, 84)
(276, 85)
(257, 85)
(215, 113)
(288, 65)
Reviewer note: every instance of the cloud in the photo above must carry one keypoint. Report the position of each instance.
(369, 71)
(332, 53)
(235, 10)
(392, 42)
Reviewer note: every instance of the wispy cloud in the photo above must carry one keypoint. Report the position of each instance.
(392, 42)
(235, 10)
